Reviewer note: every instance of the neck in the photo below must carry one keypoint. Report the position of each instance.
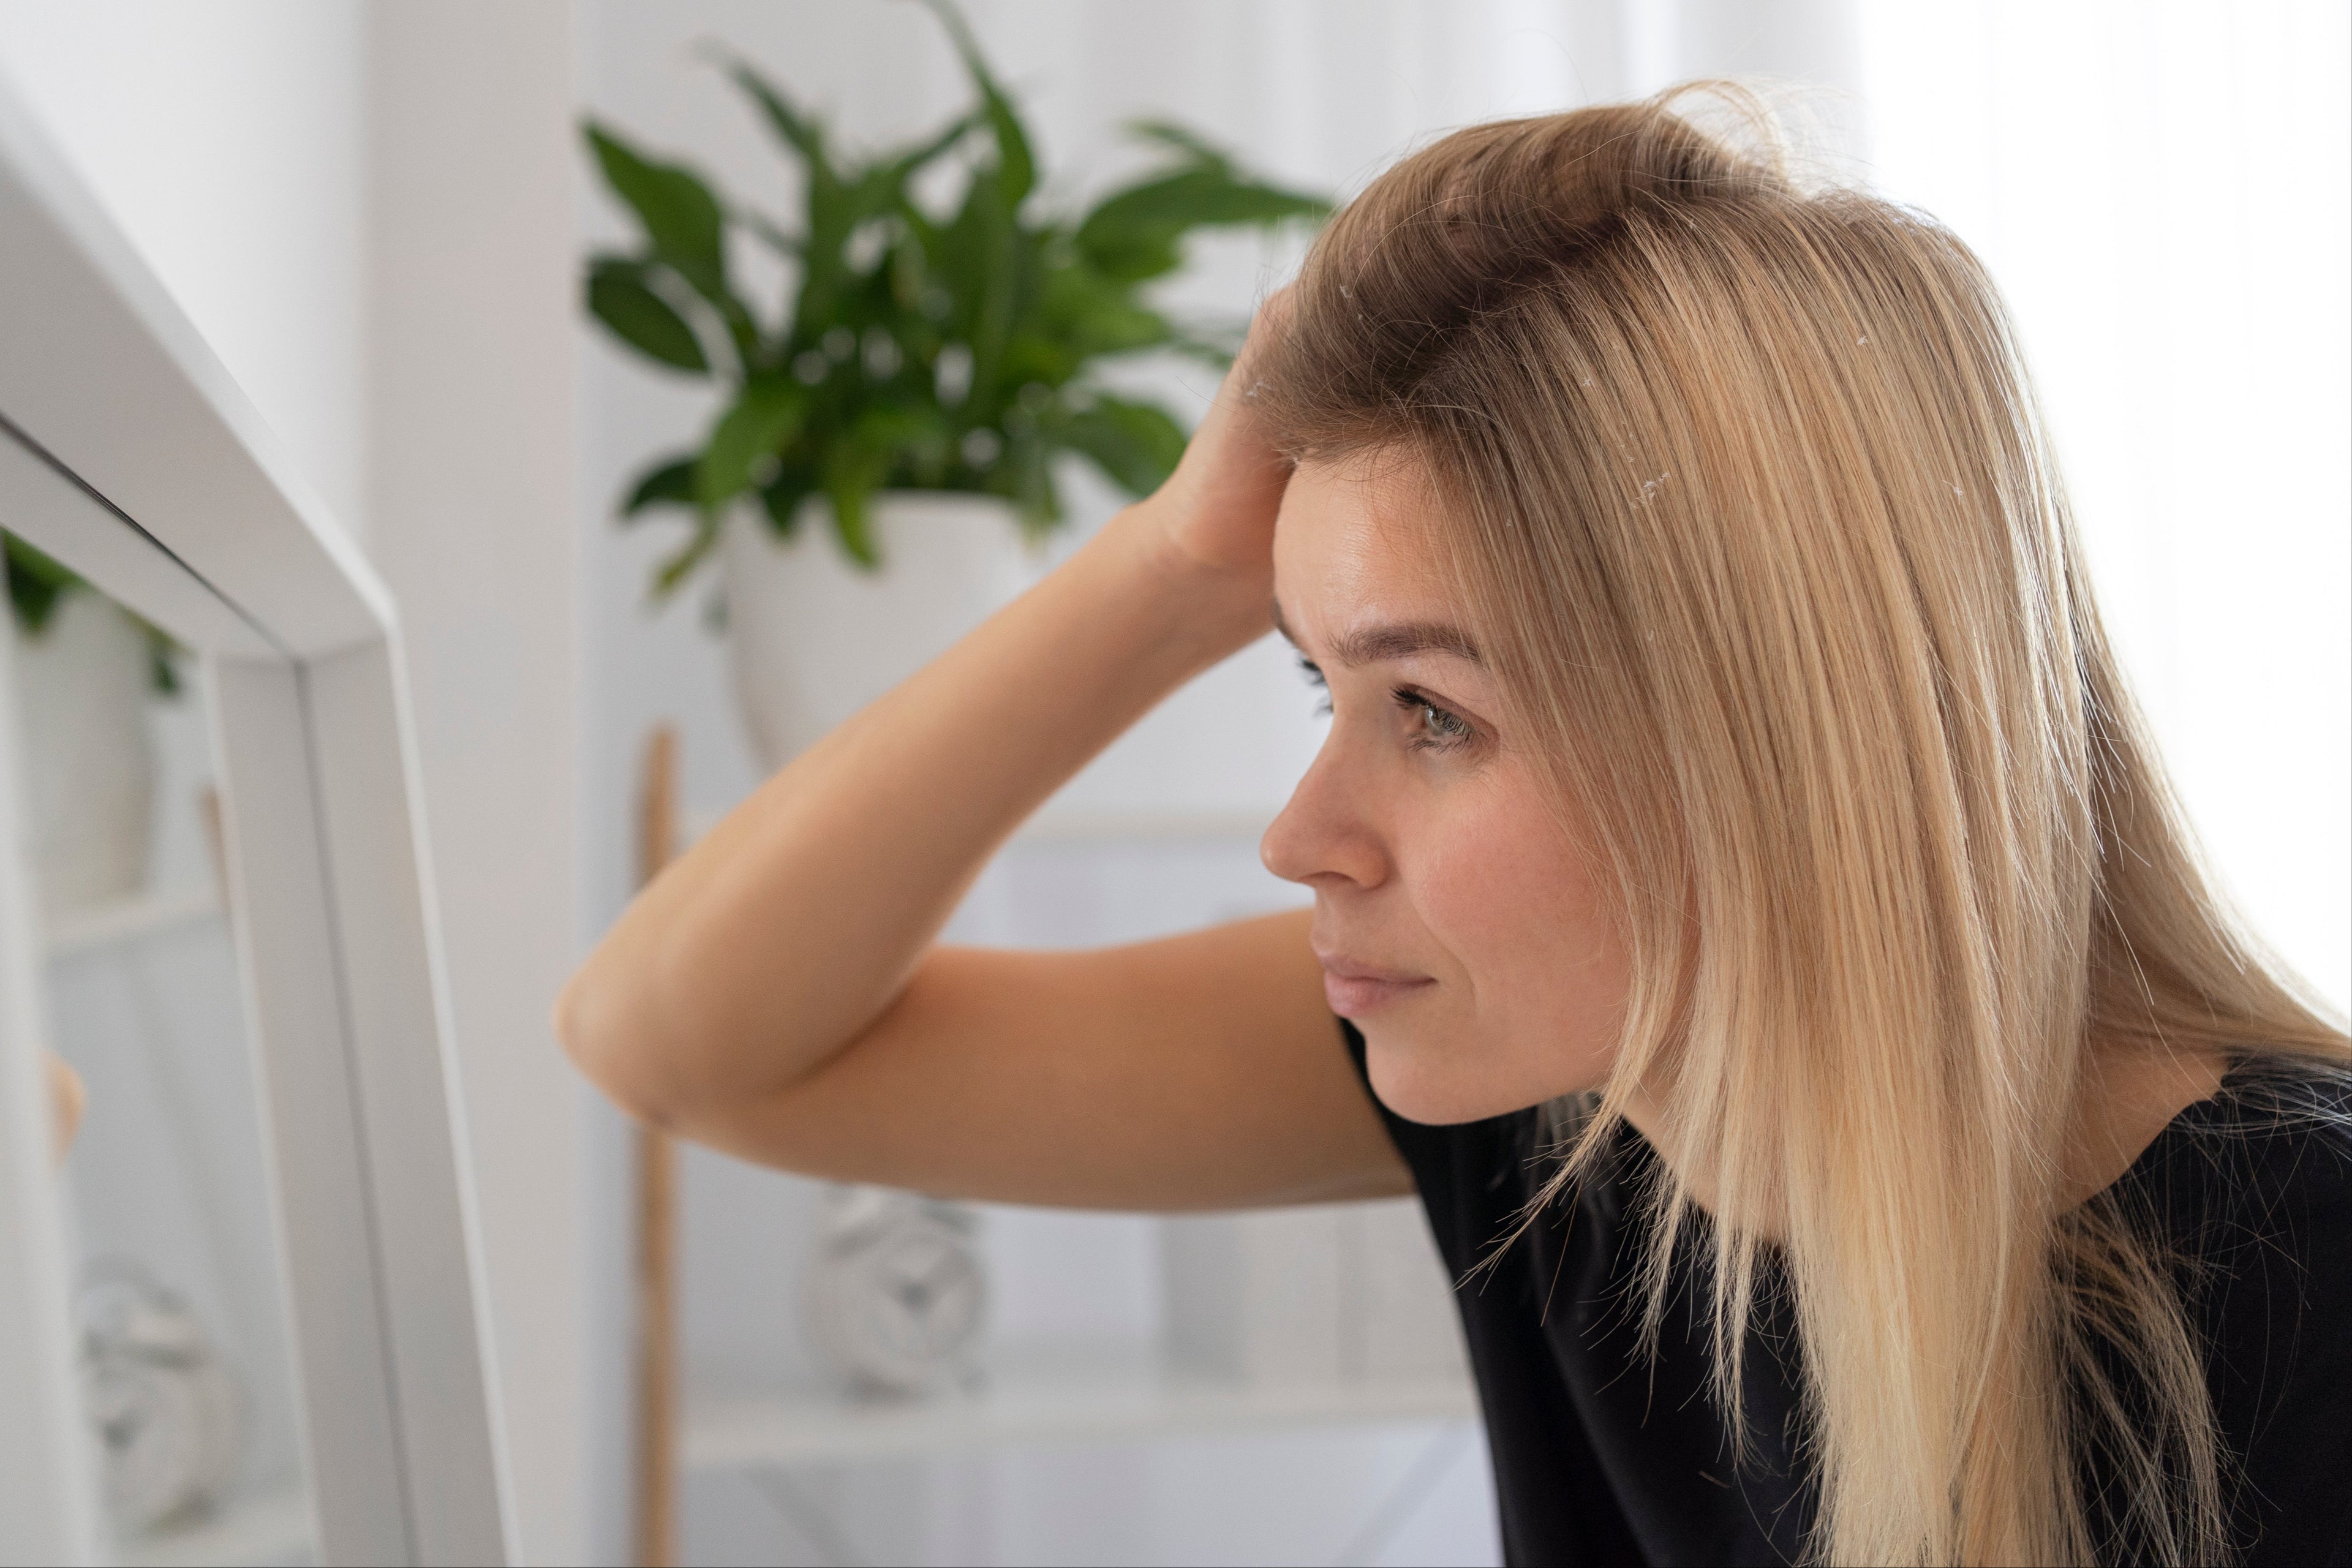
(2130, 1094)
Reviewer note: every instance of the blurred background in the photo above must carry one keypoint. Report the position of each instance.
(380, 213)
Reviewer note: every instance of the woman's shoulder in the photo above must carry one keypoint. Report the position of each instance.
(2272, 1146)
(2253, 1189)
(2249, 1195)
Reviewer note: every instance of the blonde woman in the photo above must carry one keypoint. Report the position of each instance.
(1755, 917)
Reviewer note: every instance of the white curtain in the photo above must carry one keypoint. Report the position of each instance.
(2164, 192)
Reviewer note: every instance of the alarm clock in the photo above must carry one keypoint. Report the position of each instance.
(167, 1413)
(896, 1296)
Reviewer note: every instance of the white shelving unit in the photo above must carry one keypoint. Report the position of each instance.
(121, 920)
(265, 1528)
(1134, 1402)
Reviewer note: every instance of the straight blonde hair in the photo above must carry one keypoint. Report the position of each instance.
(1748, 494)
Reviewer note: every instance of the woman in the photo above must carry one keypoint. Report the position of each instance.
(1756, 911)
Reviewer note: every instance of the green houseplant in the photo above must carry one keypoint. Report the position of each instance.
(921, 348)
(86, 669)
(36, 584)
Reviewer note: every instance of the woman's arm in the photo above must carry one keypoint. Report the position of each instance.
(774, 991)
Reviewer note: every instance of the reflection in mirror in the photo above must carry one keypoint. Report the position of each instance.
(185, 1355)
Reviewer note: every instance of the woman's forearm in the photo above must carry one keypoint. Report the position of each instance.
(781, 936)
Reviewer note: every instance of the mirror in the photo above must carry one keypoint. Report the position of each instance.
(354, 1314)
(177, 1282)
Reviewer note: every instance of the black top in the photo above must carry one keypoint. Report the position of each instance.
(1603, 1456)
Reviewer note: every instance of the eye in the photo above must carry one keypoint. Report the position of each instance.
(1313, 674)
(1439, 729)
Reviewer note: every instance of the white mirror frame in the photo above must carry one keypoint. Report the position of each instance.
(128, 454)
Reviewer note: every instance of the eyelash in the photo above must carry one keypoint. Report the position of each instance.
(1314, 673)
(1447, 728)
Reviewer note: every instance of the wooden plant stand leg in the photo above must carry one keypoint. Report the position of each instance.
(657, 1177)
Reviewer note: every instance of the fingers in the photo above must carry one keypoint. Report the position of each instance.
(1266, 328)
(1219, 506)
(1244, 381)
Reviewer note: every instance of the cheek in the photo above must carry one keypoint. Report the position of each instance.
(1540, 973)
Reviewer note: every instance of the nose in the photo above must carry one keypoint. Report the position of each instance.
(1326, 834)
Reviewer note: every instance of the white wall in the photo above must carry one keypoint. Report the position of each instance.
(227, 140)
(470, 371)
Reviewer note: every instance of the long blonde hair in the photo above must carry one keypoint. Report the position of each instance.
(1747, 490)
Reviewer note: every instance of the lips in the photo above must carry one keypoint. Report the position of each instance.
(1355, 988)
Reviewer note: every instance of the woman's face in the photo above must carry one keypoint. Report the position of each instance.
(1457, 922)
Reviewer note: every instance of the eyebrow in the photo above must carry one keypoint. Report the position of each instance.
(1395, 639)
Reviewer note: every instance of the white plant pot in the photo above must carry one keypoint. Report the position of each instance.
(812, 638)
(89, 767)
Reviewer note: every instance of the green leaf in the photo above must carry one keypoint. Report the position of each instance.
(1167, 133)
(618, 297)
(989, 259)
(784, 243)
(680, 565)
(1090, 315)
(766, 410)
(848, 495)
(1135, 233)
(667, 483)
(905, 164)
(162, 672)
(854, 470)
(830, 200)
(36, 583)
(798, 132)
(921, 441)
(685, 224)
(783, 496)
(681, 216)
(1029, 469)
(1213, 344)
(1137, 444)
(1016, 165)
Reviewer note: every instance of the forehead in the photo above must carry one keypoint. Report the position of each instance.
(1356, 537)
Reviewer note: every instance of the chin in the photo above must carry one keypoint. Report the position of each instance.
(1424, 1081)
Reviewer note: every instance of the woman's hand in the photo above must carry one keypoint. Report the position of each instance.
(1217, 510)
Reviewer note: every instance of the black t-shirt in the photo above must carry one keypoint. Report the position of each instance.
(1602, 1455)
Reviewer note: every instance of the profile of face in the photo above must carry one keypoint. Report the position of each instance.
(1458, 922)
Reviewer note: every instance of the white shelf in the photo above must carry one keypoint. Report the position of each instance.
(128, 919)
(272, 1527)
(1109, 1404)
